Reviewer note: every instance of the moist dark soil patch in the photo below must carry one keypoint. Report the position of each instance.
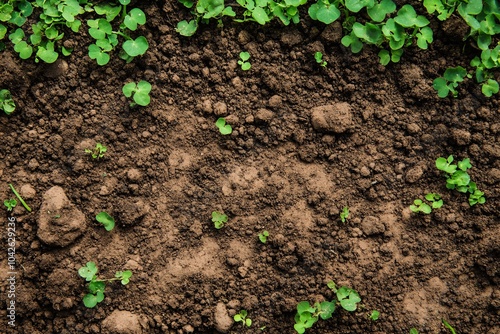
(286, 168)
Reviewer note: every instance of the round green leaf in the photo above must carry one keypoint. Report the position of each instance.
(136, 47)
(490, 87)
(105, 219)
(134, 18)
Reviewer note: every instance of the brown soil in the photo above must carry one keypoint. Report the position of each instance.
(306, 142)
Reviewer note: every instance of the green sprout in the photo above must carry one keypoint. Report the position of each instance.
(243, 62)
(105, 219)
(413, 331)
(203, 12)
(7, 104)
(10, 204)
(448, 326)
(140, 92)
(347, 297)
(420, 206)
(219, 219)
(344, 214)
(263, 236)
(457, 178)
(318, 56)
(374, 315)
(449, 81)
(224, 128)
(97, 285)
(97, 152)
(242, 317)
(20, 198)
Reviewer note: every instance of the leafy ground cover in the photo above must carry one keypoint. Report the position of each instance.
(326, 159)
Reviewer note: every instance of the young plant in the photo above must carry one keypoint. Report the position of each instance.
(224, 128)
(449, 81)
(318, 56)
(458, 178)
(347, 297)
(307, 315)
(413, 331)
(20, 198)
(243, 62)
(344, 214)
(97, 152)
(139, 91)
(374, 315)
(263, 12)
(7, 104)
(421, 206)
(219, 219)
(97, 285)
(10, 204)
(263, 236)
(106, 220)
(242, 317)
(448, 326)
(203, 12)
(106, 39)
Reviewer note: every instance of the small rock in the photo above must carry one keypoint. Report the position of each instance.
(336, 118)
(493, 176)
(364, 171)
(134, 174)
(332, 32)
(27, 191)
(414, 174)
(413, 128)
(220, 108)
(264, 115)
(244, 37)
(223, 322)
(291, 38)
(275, 101)
(59, 221)
(372, 225)
(56, 69)
(461, 137)
(122, 322)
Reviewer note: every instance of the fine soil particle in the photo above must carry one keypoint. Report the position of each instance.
(307, 140)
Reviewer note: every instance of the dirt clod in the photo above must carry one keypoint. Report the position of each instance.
(122, 322)
(223, 322)
(337, 118)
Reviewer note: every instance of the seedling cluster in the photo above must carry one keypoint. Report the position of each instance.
(420, 206)
(139, 92)
(10, 204)
(243, 62)
(263, 236)
(457, 178)
(344, 214)
(307, 315)
(97, 285)
(97, 152)
(219, 219)
(7, 104)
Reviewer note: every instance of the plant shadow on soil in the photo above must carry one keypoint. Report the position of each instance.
(306, 142)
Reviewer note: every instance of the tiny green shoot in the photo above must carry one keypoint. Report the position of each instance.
(243, 62)
(263, 236)
(224, 128)
(347, 297)
(97, 285)
(318, 56)
(242, 317)
(20, 198)
(344, 214)
(6, 103)
(106, 220)
(420, 206)
(97, 152)
(448, 326)
(219, 219)
(374, 315)
(10, 204)
(413, 331)
(139, 92)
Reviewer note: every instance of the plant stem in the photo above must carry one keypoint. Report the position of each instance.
(20, 198)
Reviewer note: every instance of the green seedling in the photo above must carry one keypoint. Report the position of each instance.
(448, 326)
(243, 62)
(106, 220)
(107, 39)
(139, 91)
(20, 198)
(263, 12)
(242, 317)
(374, 315)
(307, 315)
(421, 206)
(347, 297)
(318, 56)
(7, 104)
(203, 12)
(97, 285)
(413, 331)
(457, 178)
(344, 214)
(263, 236)
(449, 81)
(219, 219)
(10, 204)
(97, 152)
(224, 128)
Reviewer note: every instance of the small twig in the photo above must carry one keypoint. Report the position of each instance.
(19, 198)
